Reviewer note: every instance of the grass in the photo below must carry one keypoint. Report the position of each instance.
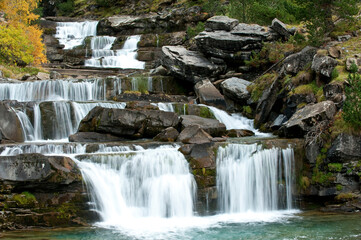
(16, 72)
(306, 89)
(341, 126)
(260, 85)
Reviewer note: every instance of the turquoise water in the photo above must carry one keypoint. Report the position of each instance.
(307, 225)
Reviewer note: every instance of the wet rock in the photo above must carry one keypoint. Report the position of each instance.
(167, 135)
(10, 126)
(221, 23)
(54, 75)
(188, 65)
(323, 65)
(93, 137)
(304, 119)
(236, 89)
(345, 148)
(237, 133)
(298, 61)
(128, 123)
(334, 93)
(208, 94)
(194, 134)
(280, 28)
(211, 126)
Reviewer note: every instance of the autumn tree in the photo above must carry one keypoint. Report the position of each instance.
(20, 38)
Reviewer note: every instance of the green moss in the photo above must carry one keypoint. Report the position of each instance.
(260, 85)
(206, 113)
(247, 109)
(304, 182)
(335, 167)
(306, 89)
(345, 197)
(24, 199)
(339, 187)
(341, 76)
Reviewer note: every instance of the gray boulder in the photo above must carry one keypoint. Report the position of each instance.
(252, 30)
(221, 23)
(304, 119)
(298, 61)
(10, 126)
(280, 28)
(208, 94)
(345, 148)
(334, 93)
(128, 123)
(323, 65)
(277, 123)
(194, 135)
(54, 75)
(167, 135)
(236, 89)
(211, 126)
(188, 65)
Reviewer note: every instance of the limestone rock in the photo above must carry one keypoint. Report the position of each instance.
(345, 148)
(323, 65)
(167, 135)
(304, 119)
(194, 134)
(208, 94)
(298, 61)
(236, 89)
(211, 126)
(188, 65)
(221, 23)
(252, 30)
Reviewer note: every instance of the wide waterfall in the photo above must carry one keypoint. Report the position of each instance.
(250, 178)
(150, 183)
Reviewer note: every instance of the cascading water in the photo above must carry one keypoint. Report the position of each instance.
(152, 183)
(249, 178)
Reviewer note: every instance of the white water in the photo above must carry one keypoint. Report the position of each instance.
(249, 178)
(72, 34)
(104, 57)
(150, 183)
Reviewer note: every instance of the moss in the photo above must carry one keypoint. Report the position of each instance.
(260, 85)
(341, 76)
(247, 109)
(24, 199)
(301, 105)
(345, 197)
(304, 182)
(206, 113)
(339, 187)
(341, 126)
(335, 167)
(306, 89)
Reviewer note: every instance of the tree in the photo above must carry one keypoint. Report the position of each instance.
(352, 104)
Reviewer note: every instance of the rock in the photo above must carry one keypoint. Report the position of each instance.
(1, 74)
(280, 28)
(128, 123)
(208, 94)
(227, 46)
(10, 126)
(323, 65)
(335, 52)
(295, 100)
(298, 61)
(42, 76)
(188, 65)
(334, 93)
(25, 77)
(211, 126)
(345, 148)
(55, 75)
(159, 71)
(167, 135)
(277, 123)
(237, 133)
(344, 38)
(304, 119)
(236, 89)
(194, 134)
(312, 152)
(251, 30)
(221, 23)
(349, 62)
(93, 137)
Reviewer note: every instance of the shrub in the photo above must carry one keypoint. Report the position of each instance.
(352, 104)
(193, 31)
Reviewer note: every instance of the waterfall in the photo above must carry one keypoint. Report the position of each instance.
(166, 107)
(46, 149)
(72, 34)
(135, 84)
(150, 84)
(149, 183)
(63, 125)
(38, 130)
(249, 178)
(26, 126)
(104, 57)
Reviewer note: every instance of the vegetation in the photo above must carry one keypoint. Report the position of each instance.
(352, 105)
(260, 85)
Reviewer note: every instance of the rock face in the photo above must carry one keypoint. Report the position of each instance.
(188, 65)
(208, 94)
(194, 134)
(298, 61)
(211, 126)
(304, 119)
(221, 23)
(345, 148)
(323, 65)
(10, 126)
(167, 135)
(128, 123)
(236, 89)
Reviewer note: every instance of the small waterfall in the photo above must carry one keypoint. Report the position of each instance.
(150, 84)
(166, 107)
(249, 178)
(72, 34)
(134, 82)
(38, 130)
(27, 127)
(149, 183)
(104, 57)
(46, 149)
(63, 125)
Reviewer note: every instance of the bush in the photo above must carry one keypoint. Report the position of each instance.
(352, 104)
(193, 31)
(66, 8)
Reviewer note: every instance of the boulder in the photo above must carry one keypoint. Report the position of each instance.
(236, 89)
(194, 134)
(323, 65)
(237, 133)
(298, 61)
(227, 46)
(312, 150)
(167, 135)
(280, 28)
(128, 123)
(10, 126)
(252, 30)
(304, 119)
(54, 75)
(93, 137)
(159, 71)
(211, 126)
(277, 123)
(43, 76)
(208, 94)
(188, 65)
(350, 61)
(334, 93)
(335, 52)
(221, 23)
(344, 38)
(345, 148)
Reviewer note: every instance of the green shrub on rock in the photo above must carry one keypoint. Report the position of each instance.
(352, 104)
